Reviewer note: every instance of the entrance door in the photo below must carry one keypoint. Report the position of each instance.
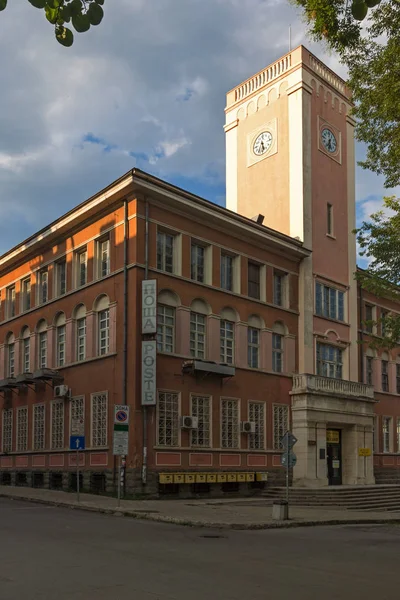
(334, 456)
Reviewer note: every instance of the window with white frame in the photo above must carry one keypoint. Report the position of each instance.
(99, 403)
(279, 288)
(26, 354)
(229, 423)
(369, 371)
(165, 328)
(22, 429)
(77, 411)
(197, 267)
(387, 434)
(60, 346)
(10, 350)
(329, 361)
(197, 335)
(329, 302)
(253, 347)
(61, 277)
(385, 374)
(38, 426)
(165, 251)
(227, 342)
(201, 408)
(26, 294)
(10, 302)
(168, 419)
(104, 331)
(277, 353)
(57, 425)
(7, 430)
(103, 257)
(257, 416)
(81, 339)
(81, 259)
(43, 286)
(42, 350)
(280, 424)
(227, 263)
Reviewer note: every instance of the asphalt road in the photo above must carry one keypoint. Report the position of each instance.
(50, 553)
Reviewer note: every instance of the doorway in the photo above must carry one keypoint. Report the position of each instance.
(334, 456)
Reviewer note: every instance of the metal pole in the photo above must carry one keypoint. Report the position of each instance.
(119, 480)
(146, 276)
(287, 477)
(77, 475)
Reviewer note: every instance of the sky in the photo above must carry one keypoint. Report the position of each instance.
(146, 88)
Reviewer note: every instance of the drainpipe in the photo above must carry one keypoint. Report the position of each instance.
(125, 338)
(146, 276)
(361, 337)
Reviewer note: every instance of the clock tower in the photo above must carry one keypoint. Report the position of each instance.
(290, 157)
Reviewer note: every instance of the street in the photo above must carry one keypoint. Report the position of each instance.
(51, 553)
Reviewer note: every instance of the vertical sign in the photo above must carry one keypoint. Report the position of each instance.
(149, 353)
(149, 306)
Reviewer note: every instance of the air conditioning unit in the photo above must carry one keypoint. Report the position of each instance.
(189, 422)
(247, 427)
(61, 391)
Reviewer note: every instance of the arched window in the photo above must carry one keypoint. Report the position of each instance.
(199, 310)
(10, 355)
(60, 339)
(80, 318)
(227, 335)
(26, 350)
(102, 308)
(278, 333)
(385, 371)
(253, 341)
(168, 301)
(42, 344)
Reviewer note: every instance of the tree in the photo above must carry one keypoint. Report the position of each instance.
(80, 13)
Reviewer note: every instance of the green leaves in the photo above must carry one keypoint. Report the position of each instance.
(82, 14)
(359, 10)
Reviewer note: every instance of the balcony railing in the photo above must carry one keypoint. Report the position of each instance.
(325, 385)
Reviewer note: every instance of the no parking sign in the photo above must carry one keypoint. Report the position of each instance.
(121, 414)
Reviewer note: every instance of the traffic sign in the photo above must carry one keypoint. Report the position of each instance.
(77, 442)
(121, 414)
(292, 460)
(120, 443)
(78, 427)
(288, 440)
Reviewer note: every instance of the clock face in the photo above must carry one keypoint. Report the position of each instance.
(328, 140)
(262, 143)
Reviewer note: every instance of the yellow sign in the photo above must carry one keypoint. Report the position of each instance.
(364, 452)
(332, 436)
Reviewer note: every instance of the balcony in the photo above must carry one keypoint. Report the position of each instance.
(315, 384)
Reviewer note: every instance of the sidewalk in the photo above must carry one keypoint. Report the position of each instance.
(239, 513)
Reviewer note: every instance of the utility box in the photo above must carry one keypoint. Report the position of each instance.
(280, 510)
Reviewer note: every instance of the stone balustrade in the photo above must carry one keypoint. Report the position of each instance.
(304, 383)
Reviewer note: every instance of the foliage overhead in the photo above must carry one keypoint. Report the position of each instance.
(81, 14)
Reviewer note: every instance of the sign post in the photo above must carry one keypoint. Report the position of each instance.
(289, 459)
(77, 443)
(120, 440)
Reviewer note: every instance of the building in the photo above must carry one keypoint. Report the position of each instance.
(256, 329)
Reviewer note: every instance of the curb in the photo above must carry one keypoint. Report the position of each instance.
(118, 512)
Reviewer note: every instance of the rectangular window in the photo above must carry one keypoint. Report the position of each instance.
(103, 258)
(227, 342)
(165, 251)
(7, 430)
(26, 294)
(329, 361)
(369, 318)
(10, 302)
(77, 410)
(201, 408)
(81, 339)
(279, 289)
(10, 360)
(26, 355)
(60, 345)
(57, 425)
(61, 277)
(253, 347)
(329, 219)
(168, 419)
(370, 370)
(226, 272)
(197, 271)
(281, 424)
(277, 353)
(230, 423)
(104, 332)
(197, 335)
(398, 378)
(81, 267)
(22, 429)
(99, 419)
(384, 315)
(43, 286)
(329, 302)
(43, 350)
(385, 375)
(165, 328)
(386, 433)
(257, 416)
(38, 426)
(253, 280)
